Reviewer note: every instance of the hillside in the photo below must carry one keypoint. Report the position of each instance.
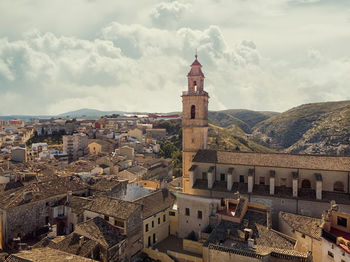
(233, 139)
(244, 119)
(317, 128)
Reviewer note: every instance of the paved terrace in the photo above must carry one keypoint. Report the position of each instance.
(173, 243)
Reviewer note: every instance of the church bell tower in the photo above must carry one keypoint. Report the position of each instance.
(194, 120)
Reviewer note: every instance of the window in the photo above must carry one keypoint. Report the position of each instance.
(158, 220)
(199, 214)
(283, 182)
(303, 235)
(193, 112)
(341, 221)
(241, 179)
(338, 186)
(262, 180)
(164, 218)
(118, 223)
(192, 140)
(154, 238)
(106, 218)
(152, 224)
(204, 175)
(171, 213)
(222, 177)
(330, 254)
(187, 211)
(306, 183)
(146, 229)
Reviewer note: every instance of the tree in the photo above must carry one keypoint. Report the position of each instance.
(167, 148)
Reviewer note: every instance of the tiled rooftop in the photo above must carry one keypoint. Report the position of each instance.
(101, 231)
(317, 162)
(44, 255)
(40, 190)
(306, 225)
(230, 236)
(73, 243)
(112, 207)
(155, 202)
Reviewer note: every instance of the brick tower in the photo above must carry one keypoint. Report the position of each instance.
(194, 120)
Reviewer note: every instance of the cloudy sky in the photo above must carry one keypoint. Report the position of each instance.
(60, 55)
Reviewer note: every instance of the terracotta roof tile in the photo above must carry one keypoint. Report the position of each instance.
(306, 225)
(155, 202)
(334, 163)
(112, 207)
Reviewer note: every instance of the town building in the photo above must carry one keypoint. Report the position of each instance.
(306, 230)
(123, 215)
(136, 133)
(26, 210)
(19, 154)
(155, 216)
(335, 235)
(75, 145)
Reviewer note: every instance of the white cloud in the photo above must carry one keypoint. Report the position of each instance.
(168, 14)
(138, 60)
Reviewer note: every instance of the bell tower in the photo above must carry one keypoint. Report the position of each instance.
(194, 120)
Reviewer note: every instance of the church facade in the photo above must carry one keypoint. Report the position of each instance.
(302, 184)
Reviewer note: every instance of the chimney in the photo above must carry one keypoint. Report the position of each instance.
(228, 232)
(27, 196)
(248, 234)
(81, 240)
(251, 243)
(69, 196)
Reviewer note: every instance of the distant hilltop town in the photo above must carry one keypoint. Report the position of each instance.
(196, 186)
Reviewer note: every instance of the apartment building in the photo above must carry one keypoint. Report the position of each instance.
(75, 146)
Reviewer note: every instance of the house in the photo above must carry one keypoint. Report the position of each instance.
(97, 146)
(136, 133)
(19, 154)
(112, 243)
(155, 216)
(26, 210)
(335, 234)
(306, 230)
(123, 215)
(126, 151)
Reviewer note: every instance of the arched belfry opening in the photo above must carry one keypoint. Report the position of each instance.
(195, 86)
(193, 112)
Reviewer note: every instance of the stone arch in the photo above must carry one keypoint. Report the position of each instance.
(306, 183)
(338, 186)
(193, 112)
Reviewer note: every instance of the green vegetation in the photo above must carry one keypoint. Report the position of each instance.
(169, 150)
(233, 139)
(173, 127)
(55, 139)
(244, 119)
